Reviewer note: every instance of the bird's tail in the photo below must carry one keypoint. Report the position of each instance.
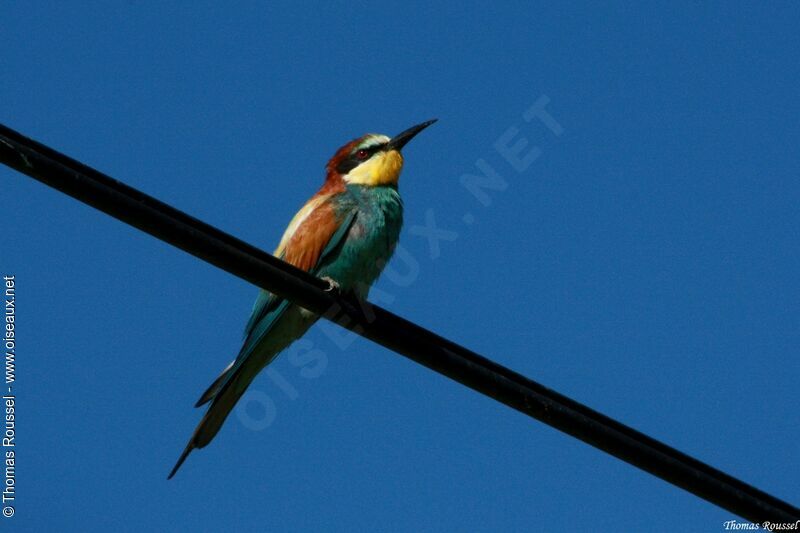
(225, 391)
(215, 387)
(280, 328)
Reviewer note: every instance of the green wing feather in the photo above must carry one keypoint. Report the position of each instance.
(267, 310)
(226, 390)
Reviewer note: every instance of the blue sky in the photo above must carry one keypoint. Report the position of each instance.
(645, 263)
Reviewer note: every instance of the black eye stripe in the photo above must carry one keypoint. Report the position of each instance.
(372, 149)
(352, 161)
(346, 165)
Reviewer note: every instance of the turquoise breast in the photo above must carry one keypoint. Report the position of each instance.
(371, 239)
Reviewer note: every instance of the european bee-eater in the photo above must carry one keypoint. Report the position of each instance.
(345, 234)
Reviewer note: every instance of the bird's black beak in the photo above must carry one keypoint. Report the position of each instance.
(401, 139)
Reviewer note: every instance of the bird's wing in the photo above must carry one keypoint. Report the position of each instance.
(315, 232)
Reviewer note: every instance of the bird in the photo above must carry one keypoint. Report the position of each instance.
(344, 234)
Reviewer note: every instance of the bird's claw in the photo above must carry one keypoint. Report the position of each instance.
(333, 285)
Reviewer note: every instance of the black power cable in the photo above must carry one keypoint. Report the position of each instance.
(418, 344)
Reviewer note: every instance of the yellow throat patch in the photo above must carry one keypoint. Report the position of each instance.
(381, 169)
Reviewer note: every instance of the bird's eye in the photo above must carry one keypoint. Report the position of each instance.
(362, 154)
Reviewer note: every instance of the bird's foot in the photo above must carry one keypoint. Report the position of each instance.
(333, 285)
